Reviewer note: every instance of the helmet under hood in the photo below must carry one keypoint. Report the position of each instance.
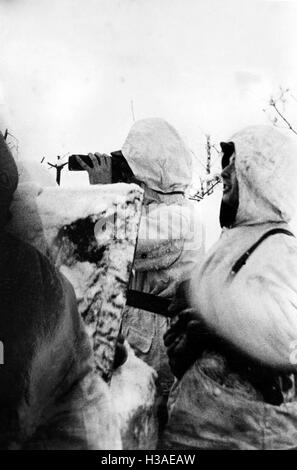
(158, 156)
(266, 169)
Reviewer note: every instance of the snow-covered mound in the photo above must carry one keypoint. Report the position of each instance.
(90, 233)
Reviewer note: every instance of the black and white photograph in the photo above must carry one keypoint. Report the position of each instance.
(148, 224)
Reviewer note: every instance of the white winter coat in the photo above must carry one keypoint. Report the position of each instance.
(171, 237)
(254, 310)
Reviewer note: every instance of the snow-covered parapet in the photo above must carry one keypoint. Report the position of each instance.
(91, 235)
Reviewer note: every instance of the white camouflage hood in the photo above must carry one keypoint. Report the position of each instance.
(266, 167)
(158, 156)
(255, 310)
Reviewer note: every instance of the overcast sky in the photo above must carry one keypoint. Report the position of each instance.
(69, 69)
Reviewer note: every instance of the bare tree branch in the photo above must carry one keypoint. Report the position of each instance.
(272, 103)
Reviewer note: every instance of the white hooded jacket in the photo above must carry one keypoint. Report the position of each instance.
(217, 406)
(256, 310)
(171, 236)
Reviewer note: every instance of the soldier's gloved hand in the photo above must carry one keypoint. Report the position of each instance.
(179, 322)
(180, 301)
(185, 341)
(121, 353)
(100, 172)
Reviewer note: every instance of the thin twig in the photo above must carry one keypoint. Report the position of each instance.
(273, 104)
